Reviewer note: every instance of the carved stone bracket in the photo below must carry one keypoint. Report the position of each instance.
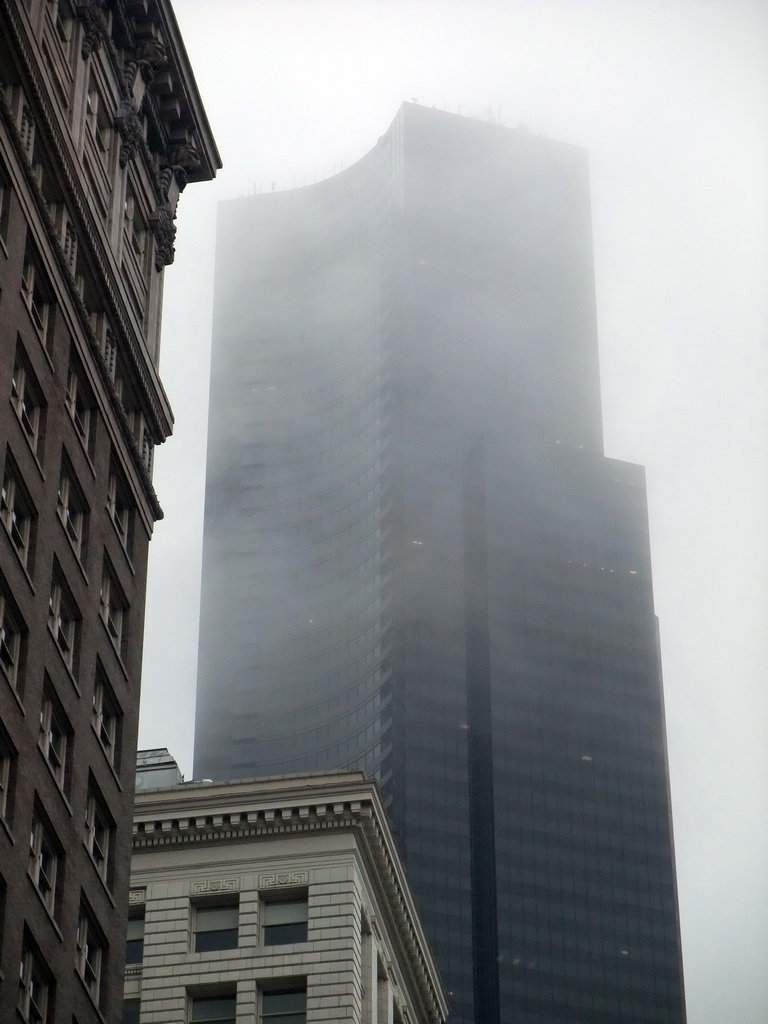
(149, 57)
(164, 230)
(128, 123)
(93, 15)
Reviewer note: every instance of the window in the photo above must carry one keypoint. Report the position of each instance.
(36, 292)
(119, 507)
(98, 120)
(90, 953)
(131, 1011)
(27, 400)
(213, 1009)
(135, 228)
(5, 205)
(62, 22)
(7, 767)
(81, 406)
(134, 944)
(54, 735)
(34, 988)
(285, 921)
(63, 621)
(98, 832)
(107, 718)
(17, 512)
(216, 928)
(113, 606)
(43, 860)
(284, 1006)
(72, 508)
(10, 642)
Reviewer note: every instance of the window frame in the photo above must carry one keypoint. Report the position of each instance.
(11, 643)
(54, 736)
(81, 406)
(271, 933)
(72, 508)
(279, 1015)
(44, 857)
(28, 403)
(99, 828)
(63, 621)
(17, 512)
(33, 977)
(197, 1000)
(211, 944)
(113, 606)
(134, 944)
(90, 954)
(106, 717)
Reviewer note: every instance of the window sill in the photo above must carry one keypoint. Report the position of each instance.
(73, 549)
(121, 539)
(113, 645)
(68, 668)
(7, 828)
(56, 782)
(13, 689)
(100, 877)
(82, 443)
(94, 1004)
(19, 559)
(26, 438)
(110, 764)
(45, 907)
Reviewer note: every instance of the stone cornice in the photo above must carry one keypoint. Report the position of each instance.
(213, 814)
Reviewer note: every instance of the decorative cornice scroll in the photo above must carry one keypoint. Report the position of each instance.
(128, 123)
(164, 230)
(148, 58)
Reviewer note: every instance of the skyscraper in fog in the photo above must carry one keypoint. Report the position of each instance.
(418, 560)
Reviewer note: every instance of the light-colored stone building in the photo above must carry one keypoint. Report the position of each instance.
(279, 900)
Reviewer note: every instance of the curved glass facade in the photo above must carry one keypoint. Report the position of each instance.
(417, 560)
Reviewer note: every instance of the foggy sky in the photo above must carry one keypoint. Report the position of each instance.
(670, 100)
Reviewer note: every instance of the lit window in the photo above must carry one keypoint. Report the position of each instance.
(28, 403)
(213, 1010)
(284, 1006)
(90, 953)
(34, 988)
(106, 718)
(17, 513)
(63, 622)
(113, 607)
(72, 509)
(43, 861)
(54, 737)
(134, 944)
(98, 831)
(285, 921)
(10, 642)
(216, 928)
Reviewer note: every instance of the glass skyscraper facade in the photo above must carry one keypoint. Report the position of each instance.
(418, 560)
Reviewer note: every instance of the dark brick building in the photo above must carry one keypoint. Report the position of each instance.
(101, 127)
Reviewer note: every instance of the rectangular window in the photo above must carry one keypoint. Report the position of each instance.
(134, 944)
(35, 990)
(131, 1011)
(135, 227)
(285, 921)
(38, 297)
(63, 622)
(113, 606)
(7, 770)
(90, 953)
(82, 407)
(55, 732)
(98, 832)
(27, 400)
(120, 507)
(216, 927)
(43, 860)
(107, 718)
(17, 512)
(72, 508)
(213, 1009)
(98, 120)
(10, 642)
(284, 1006)
(5, 204)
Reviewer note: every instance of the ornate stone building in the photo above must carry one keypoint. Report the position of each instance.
(101, 127)
(279, 900)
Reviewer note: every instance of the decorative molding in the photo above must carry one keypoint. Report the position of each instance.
(282, 878)
(164, 230)
(128, 123)
(93, 15)
(137, 896)
(214, 885)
